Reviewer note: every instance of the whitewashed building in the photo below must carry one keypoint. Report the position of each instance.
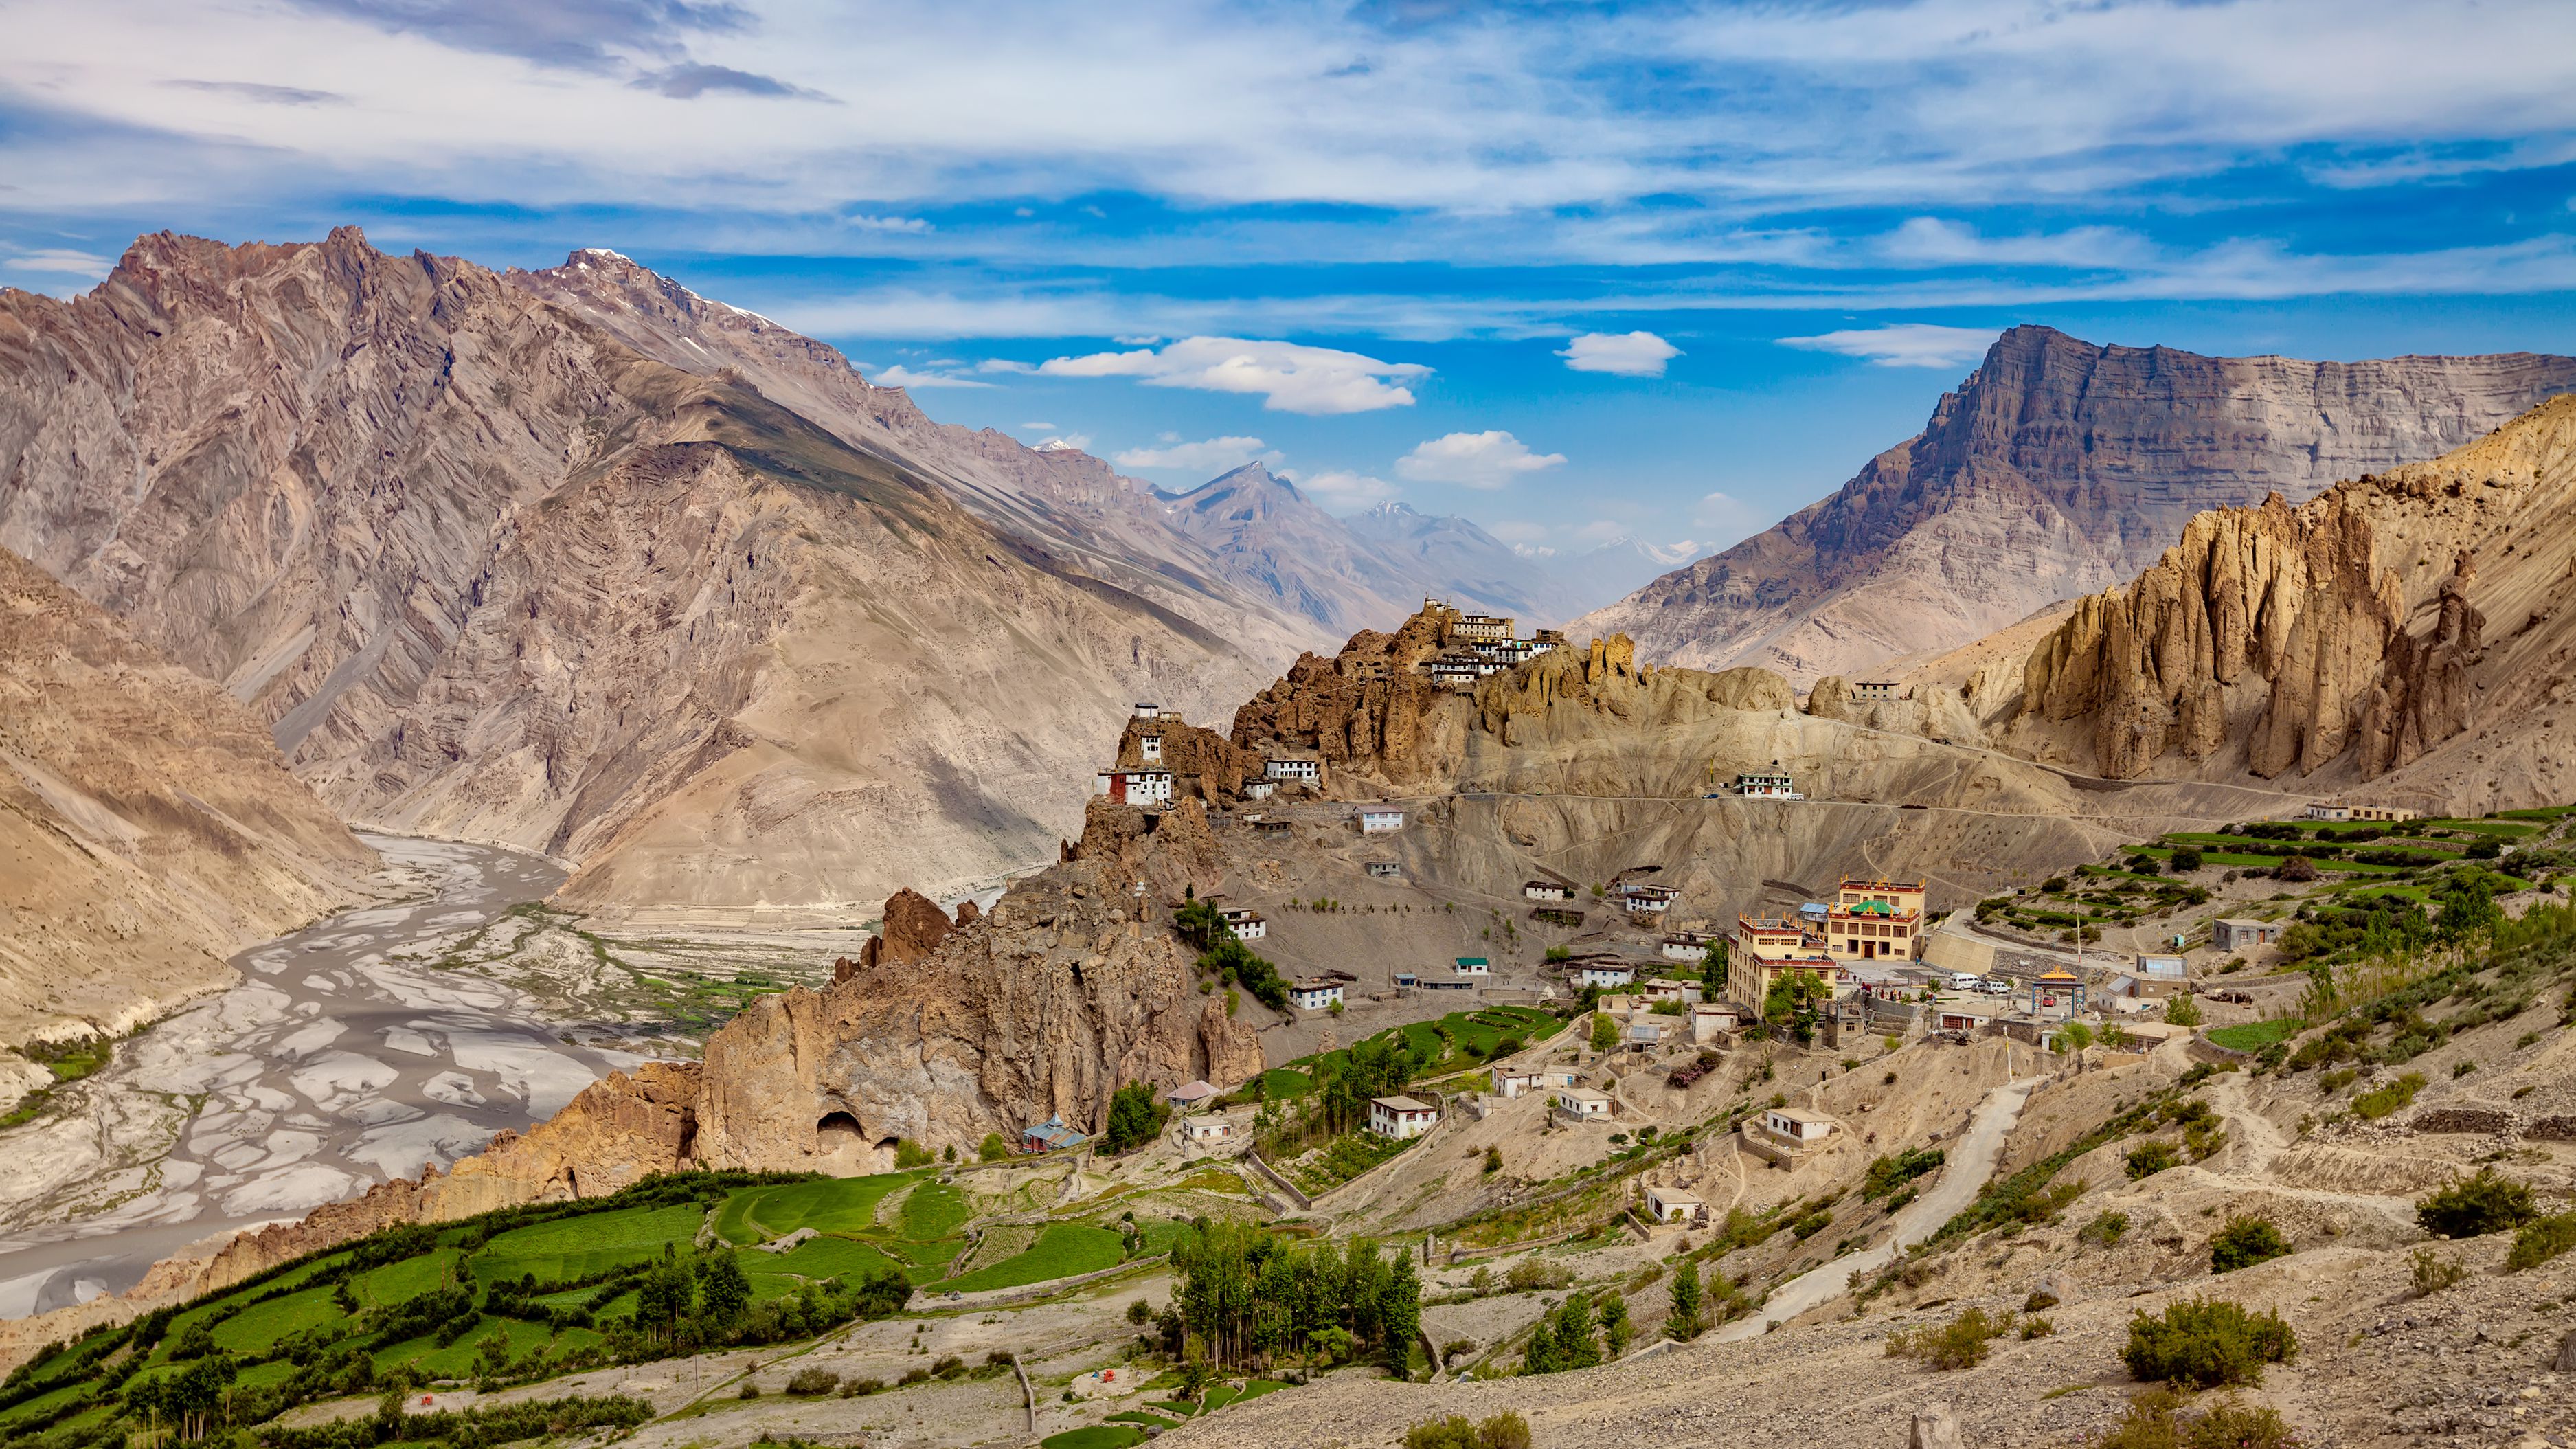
(1135, 787)
(1296, 767)
(1604, 975)
(1401, 1117)
(1584, 1102)
(1381, 822)
(1248, 924)
(1666, 1204)
(1315, 995)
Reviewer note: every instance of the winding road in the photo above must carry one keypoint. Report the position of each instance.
(1970, 1163)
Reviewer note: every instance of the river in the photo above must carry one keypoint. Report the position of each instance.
(347, 1055)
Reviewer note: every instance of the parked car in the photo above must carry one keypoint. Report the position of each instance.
(1995, 986)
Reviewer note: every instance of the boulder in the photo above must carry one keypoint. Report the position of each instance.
(1936, 1426)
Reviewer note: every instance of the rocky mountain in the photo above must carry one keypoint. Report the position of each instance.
(2058, 468)
(1064, 502)
(1612, 571)
(148, 828)
(2407, 630)
(487, 563)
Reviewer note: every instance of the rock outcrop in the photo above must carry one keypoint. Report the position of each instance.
(148, 828)
(2350, 634)
(1370, 711)
(2058, 468)
(488, 561)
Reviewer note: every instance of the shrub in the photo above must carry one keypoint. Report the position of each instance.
(948, 1366)
(1506, 1430)
(2381, 1101)
(2245, 1242)
(750, 1390)
(2475, 1206)
(992, 1148)
(813, 1381)
(2207, 1343)
(2540, 1240)
(2104, 1230)
(909, 1154)
(2036, 1328)
(2149, 1158)
(1136, 1116)
(1960, 1343)
(2186, 860)
(861, 1388)
(2433, 1272)
(2156, 1420)
(2182, 1011)
(2296, 869)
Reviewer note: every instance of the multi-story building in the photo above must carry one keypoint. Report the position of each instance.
(1770, 784)
(1135, 787)
(1875, 920)
(1768, 948)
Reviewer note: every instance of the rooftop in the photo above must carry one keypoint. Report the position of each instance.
(1399, 1104)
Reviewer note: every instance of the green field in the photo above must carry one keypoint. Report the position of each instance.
(259, 1327)
(576, 1246)
(2250, 1036)
(1095, 1436)
(820, 1258)
(933, 1211)
(1280, 1083)
(1063, 1250)
(832, 1205)
(1469, 1041)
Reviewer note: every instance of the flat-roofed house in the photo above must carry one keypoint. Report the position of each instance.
(1797, 1125)
(1292, 767)
(2237, 933)
(1584, 1102)
(1604, 974)
(1314, 995)
(1512, 1081)
(1546, 890)
(1401, 1117)
(1380, 821)
(1134, 787)
(1674, 1204)
(1248, 925)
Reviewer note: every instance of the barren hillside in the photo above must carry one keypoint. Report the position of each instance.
(147, 825)
(2058, 468)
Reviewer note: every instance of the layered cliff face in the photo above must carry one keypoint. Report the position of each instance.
(2057, 469)
(2354, 637)
(1369, 713)
(148, 828)
(486, 567)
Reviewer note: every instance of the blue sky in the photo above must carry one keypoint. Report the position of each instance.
(1668, 270)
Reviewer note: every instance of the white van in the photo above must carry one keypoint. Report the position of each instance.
(1965, 980)
(1995, 986)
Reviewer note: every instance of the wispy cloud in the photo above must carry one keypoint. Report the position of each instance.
(1342, 489)
(1287, 376)
(1490, 459)
(60, 262)
(1902, 344)
(901, 376)
(257, 91)
(1629, 354)
(1212, 455)
(692, 79)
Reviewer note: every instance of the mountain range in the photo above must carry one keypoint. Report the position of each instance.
(2058, 468)
(580, 561)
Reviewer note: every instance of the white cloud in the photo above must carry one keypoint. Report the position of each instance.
(1145, 341)
(1902, 344)
(1289, 376)
(58, 262)
(1214, 455)
(902, 376)
(1488, 459)
(1931, 241)
(1037, 427)
(1532, 550)
(1629, 354)
(911, 225)
(1342, 489)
